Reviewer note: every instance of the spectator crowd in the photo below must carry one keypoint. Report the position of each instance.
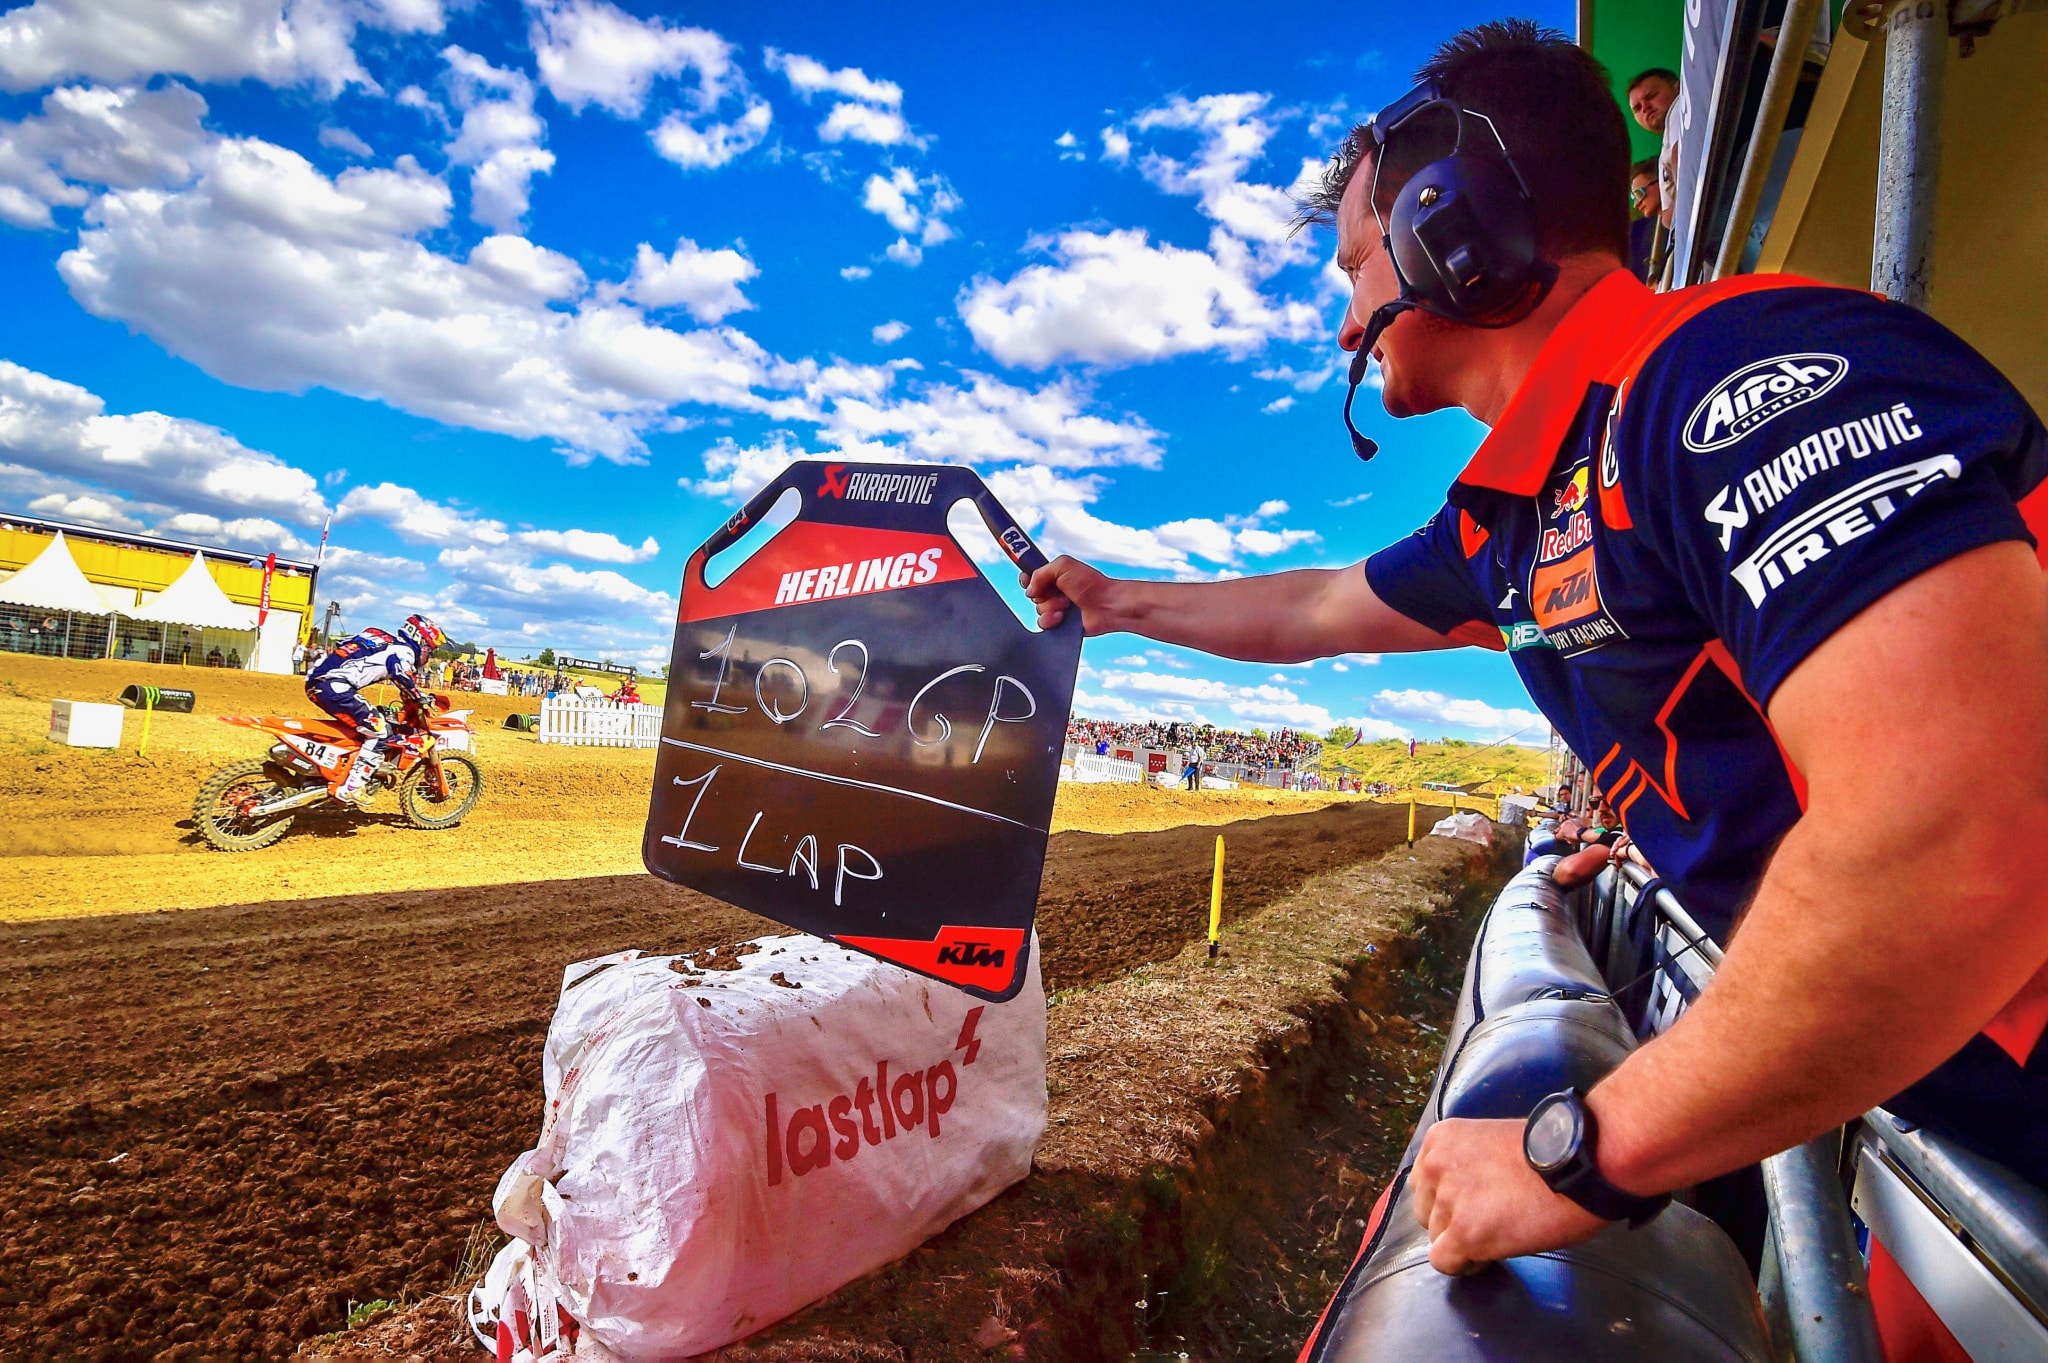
(1283, 749)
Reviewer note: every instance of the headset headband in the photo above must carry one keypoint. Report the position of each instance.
(1462, 246)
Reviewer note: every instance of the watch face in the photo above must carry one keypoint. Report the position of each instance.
(1552, 1137)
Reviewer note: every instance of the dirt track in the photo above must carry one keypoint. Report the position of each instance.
(96, 831)
(224, 1125)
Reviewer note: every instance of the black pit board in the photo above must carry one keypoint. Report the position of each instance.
(861, 739)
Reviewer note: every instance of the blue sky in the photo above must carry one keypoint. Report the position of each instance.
(528, 295)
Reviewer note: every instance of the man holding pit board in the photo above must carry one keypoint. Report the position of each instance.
(1757, 549)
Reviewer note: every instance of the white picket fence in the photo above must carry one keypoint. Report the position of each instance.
(599, 723)
(1089, 768)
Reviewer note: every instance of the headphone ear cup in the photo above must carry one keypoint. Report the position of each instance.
(1463, 237)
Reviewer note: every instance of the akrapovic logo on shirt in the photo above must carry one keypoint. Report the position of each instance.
(1758, 393)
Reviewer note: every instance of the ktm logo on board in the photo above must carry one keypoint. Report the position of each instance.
(971, 953)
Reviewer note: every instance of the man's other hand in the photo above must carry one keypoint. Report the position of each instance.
(1482, 1202)
(1066, 584)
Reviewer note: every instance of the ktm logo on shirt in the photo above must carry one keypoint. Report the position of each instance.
(1566, 599)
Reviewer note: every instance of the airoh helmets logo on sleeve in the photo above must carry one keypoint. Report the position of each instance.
(1756, 393)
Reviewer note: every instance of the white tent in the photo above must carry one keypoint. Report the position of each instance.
(53, 582)
(194, 600)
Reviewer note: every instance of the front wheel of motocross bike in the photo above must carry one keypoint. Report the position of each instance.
(424, 808)
(221, 812)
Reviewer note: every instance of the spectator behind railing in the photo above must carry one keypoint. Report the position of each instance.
(1284, 748)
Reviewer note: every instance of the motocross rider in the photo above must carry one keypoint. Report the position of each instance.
(336, 682)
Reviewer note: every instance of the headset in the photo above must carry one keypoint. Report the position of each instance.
(1461, 235)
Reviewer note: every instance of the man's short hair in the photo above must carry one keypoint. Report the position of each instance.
(1646, 166)
(1654, 73)
(1555, 111)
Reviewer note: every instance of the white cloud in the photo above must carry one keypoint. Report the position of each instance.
(278, 42)
(889, 333)
(1493, 721)
(1278, 405)
(86, 509)
(865, 123)
(418, 520)
(127, 138)
(594, 546)
(709, 144)
(1306, 380)
(595, 53)
(269, 274)
(868, 110)
(809, 77)
(1056, 509)
(735, 472)
(551, 592)
(499, 139)
(1070, 147)
(1232, 137)
(60, 429)
(706, 283)
(915, 207)
(1114, 298)
(854, 272)
(341, 139)
(1265, 704)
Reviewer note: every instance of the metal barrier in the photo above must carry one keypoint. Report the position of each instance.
(599, 723)
(1971, 1235)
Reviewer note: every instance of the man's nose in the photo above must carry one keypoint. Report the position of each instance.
(1352, 332)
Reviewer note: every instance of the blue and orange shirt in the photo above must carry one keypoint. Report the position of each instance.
(1686, 496)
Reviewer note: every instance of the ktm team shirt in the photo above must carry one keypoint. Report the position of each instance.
(1687, 495)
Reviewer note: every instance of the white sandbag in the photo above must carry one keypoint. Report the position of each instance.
(1467, 826)
(723, 1147)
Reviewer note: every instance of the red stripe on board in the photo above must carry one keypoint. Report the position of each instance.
(983, 957)
(810, 561)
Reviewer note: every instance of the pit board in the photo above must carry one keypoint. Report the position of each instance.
(861, 740)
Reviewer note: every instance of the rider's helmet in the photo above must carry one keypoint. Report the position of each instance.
(424, 632)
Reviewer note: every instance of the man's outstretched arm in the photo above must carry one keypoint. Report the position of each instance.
(1872, 952)
(1277, 618)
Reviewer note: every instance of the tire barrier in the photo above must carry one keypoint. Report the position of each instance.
(524, 724)
(160, 698)
(1534, 1017)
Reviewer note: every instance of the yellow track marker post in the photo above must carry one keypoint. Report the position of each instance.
(1411, 816)
(148, 713)
(1216, 901)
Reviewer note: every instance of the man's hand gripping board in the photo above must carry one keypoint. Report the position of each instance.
(861, 739)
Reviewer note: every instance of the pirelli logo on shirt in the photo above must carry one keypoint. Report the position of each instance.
(1847, 516)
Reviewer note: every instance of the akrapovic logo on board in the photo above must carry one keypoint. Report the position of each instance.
(1758, 393)
(879, 487)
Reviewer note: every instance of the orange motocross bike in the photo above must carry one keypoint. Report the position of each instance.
(252, 804)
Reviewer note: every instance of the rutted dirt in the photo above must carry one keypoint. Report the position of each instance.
(225, 1125)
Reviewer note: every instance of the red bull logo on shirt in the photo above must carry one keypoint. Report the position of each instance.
(1572, 496)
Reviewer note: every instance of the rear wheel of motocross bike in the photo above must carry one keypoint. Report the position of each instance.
(221, 812)
(424, 808)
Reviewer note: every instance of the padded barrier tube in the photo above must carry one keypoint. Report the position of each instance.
(1535, 1017)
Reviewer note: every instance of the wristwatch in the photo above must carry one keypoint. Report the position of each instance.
(1560, 1142)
